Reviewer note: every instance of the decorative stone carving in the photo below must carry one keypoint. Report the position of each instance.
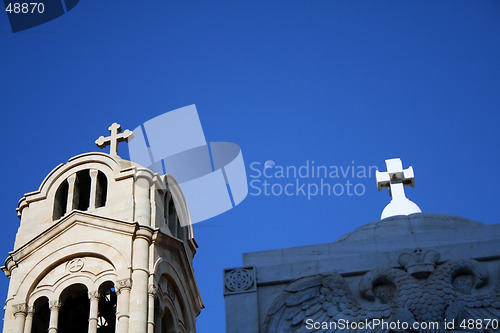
(94, 294)
(153, 290)
(239, 280)
(445, 294)
(170, 292)
(419, 264)
(20, 309)
(55, 305)
(123, 284)
(75, 265)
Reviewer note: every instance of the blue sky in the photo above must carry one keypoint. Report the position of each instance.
(289, 81)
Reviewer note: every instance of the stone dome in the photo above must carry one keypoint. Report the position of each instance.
(400, 226)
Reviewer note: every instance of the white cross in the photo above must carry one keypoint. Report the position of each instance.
(114, 138)
(395, 179)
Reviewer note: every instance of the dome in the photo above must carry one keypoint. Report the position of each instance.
(406, 225)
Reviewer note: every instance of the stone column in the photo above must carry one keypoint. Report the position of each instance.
(122, 306)
(13, 274)
(152, 292)
(94, 306)
(71, 192)
(93, 187)
(140, 275)
(20, 315)
(142, 198)
(29, 320)
(54, 315)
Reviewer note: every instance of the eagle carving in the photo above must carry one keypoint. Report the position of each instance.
(423, 292)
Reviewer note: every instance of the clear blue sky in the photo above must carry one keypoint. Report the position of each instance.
(289, 81)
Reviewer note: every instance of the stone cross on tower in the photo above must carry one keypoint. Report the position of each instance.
(114, 138)
(395, 179)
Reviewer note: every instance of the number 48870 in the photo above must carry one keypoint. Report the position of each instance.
(25, 8)
(479, 324)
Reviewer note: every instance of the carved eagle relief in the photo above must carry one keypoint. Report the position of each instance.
(452, 293)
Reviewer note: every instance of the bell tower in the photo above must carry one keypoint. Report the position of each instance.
(101, 248)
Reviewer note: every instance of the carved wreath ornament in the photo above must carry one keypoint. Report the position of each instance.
(454, 291)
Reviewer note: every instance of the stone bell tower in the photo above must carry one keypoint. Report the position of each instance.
(101, 248)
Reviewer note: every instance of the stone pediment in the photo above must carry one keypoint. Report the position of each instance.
(75, 229)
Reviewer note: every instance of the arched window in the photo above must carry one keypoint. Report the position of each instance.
(171, 217)
(166, 201)
(173, 317)
(101, 190)
(60, 201)
(81, 195)
(167, 323)
(41, 316)
(106, 320)
(74, 312)
(82, 185)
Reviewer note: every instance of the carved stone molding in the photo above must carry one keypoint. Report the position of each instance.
(153, 290)
(170, 292)
(125, 284)
(144, 233)
(31, 311)
(239, 280)
(75, 265)
(94, 294)
(55, 305)
(20, 309)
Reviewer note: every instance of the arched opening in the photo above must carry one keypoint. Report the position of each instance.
(106, 317)
(81, 196)
(172, 213)
(174, 315)
(172, 219)
(166, 201)
(60, 201)
(101, 190)
(167, 322)
(41, 316)
(74, 312)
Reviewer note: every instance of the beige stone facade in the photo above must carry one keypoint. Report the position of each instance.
(100, 248)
